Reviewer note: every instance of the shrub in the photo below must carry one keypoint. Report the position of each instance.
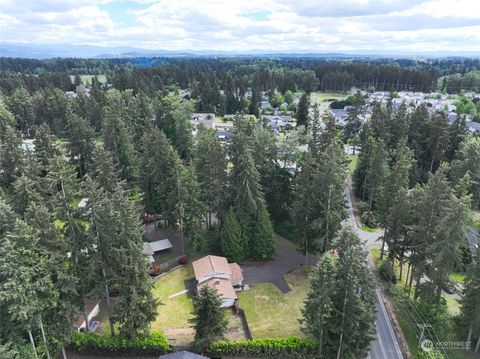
(155, 343)
(183, 260)
(386, 272)
(154, 269)
(291, 347)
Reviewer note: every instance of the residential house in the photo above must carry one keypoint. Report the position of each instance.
(473, 127)
(340, 115)
(92, 309)
(217, 273)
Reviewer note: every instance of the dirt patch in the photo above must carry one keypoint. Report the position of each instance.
(235, 329)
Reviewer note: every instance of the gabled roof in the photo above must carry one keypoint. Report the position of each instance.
(153, 247)
(210, 265)
(237, 275)
(222, 285)
(161, 245)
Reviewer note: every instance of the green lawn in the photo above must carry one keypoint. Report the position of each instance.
(174, 312)
(87, 79)
(369, 229)
(452, 304)
(165, 258)
(320, 97)
(458, 277)
(353, 163)
(270, 313)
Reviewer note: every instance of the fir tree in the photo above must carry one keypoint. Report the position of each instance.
(211, 165)
(318, 306)
(208, 318)
(470, 305)
(354, 299)
(302, 111)
(231, 238)
(262, 245)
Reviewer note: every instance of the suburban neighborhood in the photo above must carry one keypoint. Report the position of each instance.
(239, 180)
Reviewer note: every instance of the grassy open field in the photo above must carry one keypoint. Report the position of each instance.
(270, 313)
(87, 79)
(320, 97)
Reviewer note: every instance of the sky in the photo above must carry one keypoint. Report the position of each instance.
(402, 26)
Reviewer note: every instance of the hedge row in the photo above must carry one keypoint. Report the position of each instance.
(291, 347)
(155, 343)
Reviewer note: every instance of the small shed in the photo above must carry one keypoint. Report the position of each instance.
(151, 248)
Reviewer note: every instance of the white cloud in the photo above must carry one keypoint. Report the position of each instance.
(240, 25)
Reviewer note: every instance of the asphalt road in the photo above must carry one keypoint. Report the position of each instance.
(385, 345)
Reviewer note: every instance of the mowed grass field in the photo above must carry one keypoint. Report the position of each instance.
(87, 79)
(271, 313)
(174, 312)
(320, 97)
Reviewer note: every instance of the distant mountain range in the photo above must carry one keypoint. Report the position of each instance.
(44, 51)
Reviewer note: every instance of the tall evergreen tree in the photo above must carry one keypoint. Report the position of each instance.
(318, 307)
(10, 148)
(231, 240)
(466, 162)
(26, 287)
(211, 165)
(102, 169)
(45, 148)
(262, 244)
(354, 299)
(80, 142)
(394, 196)
(117, 138)
(302, 111)
(208, 318)
(20, 104)
(470, 305)
(135, 307)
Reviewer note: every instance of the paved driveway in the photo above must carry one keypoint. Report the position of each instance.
(286, 260)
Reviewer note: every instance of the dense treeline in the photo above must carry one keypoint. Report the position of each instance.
(416, 178)
(308, 74)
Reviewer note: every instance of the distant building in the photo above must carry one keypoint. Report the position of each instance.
(217, 273)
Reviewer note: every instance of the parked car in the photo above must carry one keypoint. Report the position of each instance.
(93, 325)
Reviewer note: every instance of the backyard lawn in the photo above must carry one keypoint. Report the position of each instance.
(174, 312)
(270, 313)
(353, 163)
(320, 97)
